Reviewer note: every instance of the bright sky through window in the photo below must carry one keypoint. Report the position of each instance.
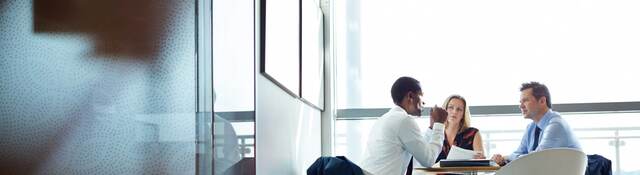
(584, 51)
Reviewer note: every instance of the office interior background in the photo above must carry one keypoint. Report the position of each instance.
(178, 87)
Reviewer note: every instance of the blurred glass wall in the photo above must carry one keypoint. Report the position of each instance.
(98, 87)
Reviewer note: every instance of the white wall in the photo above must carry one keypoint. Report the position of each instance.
(287, 131)
(288, 136)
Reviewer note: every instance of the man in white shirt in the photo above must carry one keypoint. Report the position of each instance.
(395, 137)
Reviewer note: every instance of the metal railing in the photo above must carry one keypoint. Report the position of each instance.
(245, 147)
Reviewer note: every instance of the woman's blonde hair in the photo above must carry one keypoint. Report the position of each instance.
(466, 119)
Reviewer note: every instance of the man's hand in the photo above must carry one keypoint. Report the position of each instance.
(498, 159)
(438, 115)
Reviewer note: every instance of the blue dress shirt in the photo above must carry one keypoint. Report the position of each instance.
(556, 133)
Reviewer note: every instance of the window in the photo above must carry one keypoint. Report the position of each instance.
(481, 49)
(233, 86)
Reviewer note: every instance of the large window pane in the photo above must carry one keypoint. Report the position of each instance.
(233, 55)
(629, 156)
(482, 49)
(233, 86)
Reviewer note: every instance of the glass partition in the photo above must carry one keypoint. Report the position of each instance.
(233, 87)
(99, 87)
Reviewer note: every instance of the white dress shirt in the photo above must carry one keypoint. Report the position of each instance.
(394, 138)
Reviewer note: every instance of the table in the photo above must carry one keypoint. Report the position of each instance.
(436, 169)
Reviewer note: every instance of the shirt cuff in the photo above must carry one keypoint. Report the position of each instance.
(438, 127)
(511, 157)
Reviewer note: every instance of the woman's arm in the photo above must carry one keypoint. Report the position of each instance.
(478, 146)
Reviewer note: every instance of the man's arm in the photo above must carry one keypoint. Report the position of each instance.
(522, 149)
(425, 151)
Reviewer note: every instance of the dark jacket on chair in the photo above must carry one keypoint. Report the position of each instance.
(338, 165)
(598, 165)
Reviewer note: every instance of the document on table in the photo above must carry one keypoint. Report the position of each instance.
(457, 153)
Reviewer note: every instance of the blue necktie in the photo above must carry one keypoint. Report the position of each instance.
(536, 138)
(410, 167)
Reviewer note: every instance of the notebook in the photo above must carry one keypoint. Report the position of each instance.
(465, 162)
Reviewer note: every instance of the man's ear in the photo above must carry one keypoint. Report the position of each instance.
(543, 99)
(411, 95)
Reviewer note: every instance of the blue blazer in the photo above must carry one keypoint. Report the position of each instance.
(598, 165)
(338, 165)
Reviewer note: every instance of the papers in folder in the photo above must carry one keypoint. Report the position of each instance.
(458, 153)
(462, 157)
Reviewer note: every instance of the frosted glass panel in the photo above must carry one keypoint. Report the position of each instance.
(99, 87)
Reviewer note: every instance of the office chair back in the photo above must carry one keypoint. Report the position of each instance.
(556, 161)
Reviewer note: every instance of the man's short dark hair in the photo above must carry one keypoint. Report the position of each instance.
(539, 90)
(402, 86)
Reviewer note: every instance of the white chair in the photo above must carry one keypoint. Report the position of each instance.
(556, 161)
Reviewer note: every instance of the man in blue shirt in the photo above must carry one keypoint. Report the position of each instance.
(548, 129)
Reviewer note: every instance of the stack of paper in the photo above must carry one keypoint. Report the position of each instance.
(457, 153)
